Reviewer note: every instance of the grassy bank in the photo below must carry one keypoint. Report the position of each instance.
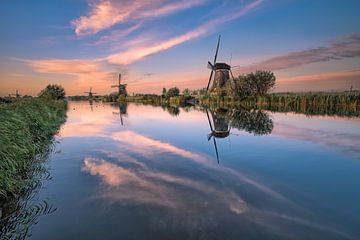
(27, 128)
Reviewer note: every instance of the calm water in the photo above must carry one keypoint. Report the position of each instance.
(153, 173)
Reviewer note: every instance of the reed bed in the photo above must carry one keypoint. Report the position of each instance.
(26, 129)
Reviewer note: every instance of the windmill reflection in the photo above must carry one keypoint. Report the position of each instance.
(221, 121)
(91, 104)
(219, 126)
(122, 111)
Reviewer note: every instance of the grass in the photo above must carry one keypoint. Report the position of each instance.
(27, 128)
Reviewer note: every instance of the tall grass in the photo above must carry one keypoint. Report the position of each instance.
(26, 129)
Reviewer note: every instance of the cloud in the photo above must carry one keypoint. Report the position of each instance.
(106, 13)
(324, 76)
(139, 52)
(348, 47)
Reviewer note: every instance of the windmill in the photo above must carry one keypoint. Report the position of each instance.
(220, 129)
(222, 73)
(17, 95)
(91, 94)
(121, 87)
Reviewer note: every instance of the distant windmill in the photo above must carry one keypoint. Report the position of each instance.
(222, 73)
(17, 95)
(220, 130)
(121, 87)
(91, 94)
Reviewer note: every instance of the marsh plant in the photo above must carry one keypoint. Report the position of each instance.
(27, 129)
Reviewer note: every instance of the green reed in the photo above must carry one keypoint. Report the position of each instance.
(26, 130)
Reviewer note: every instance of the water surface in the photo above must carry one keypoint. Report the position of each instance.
(145, 172)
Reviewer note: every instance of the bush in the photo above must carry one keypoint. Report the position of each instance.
(52, 92)
(173, 92)
(253, 84)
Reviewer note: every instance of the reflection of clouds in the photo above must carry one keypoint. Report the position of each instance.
(144, 185)
(345, 142)
(82, 122)
(144, 144)
(217, 194)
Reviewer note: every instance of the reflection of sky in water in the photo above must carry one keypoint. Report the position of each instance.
(157, 177)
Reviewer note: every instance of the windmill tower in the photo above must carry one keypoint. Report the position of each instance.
(121, 87)
(221, 76)
(91, 94)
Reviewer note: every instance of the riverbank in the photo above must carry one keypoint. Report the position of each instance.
(26, 130)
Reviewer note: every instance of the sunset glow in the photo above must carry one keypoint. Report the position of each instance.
(166, 43)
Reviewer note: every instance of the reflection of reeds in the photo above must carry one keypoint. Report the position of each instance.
(344, 103)
(27, 128)
(320, 103)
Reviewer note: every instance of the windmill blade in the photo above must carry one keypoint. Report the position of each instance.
(119, 78)
(121, 119)
(232, 76)
(217, 49)
(114, 86)
(208, 117)
(216, 151)
(209, 136)
(210, 66)
(90, 89)
(208, 85)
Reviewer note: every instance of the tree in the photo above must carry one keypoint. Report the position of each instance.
(52, 92)
(253, 84)
(164, 92)
(173, 92)
(186, 92)
(260, 82)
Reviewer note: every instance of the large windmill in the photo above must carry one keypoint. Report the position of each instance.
(91, 94)
(222, 73)
(219, 129)
(121, 87)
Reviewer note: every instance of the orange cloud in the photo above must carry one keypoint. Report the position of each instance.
(328, 81)
(324, 76)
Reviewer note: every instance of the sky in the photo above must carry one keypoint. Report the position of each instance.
(309, 45)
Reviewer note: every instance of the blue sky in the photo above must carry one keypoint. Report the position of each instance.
(310, 45)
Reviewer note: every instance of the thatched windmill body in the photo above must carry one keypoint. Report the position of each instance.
(221, 73)
(121, 87)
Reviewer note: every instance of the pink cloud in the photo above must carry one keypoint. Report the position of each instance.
(136, 53)
(107, 13)
(348, 47)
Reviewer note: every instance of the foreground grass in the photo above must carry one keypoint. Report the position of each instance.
(27, 128)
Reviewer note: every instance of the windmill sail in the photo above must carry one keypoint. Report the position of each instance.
(211, 66)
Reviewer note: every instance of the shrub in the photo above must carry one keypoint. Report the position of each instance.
(52, 92)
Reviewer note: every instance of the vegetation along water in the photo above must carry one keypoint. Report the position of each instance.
(27, 128)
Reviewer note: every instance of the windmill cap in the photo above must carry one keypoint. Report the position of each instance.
(221, 134)
(222, 66)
